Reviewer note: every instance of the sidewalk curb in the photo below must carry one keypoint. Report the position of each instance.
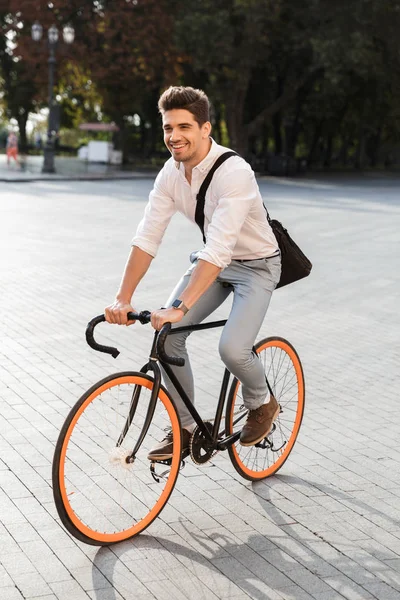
(79, 178)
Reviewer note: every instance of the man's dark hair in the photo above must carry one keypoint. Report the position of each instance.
(188, 98)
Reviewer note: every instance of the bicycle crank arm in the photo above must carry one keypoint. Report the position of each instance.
(266, 444)
(229, 441)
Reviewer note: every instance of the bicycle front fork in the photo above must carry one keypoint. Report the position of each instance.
(150, 366)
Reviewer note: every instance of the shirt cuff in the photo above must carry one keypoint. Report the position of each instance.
(219, 259)
(146, 246)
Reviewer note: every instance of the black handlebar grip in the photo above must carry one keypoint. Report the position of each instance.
(92, 342)
(143, 317)
(170, 360)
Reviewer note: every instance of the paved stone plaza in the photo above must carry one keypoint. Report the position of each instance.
(328, 525)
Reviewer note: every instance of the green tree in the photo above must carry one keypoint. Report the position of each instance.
(257, 53)
(296, 72)
(17, 84)
(122, 53)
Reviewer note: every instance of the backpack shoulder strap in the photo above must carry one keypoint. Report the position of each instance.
(201, 196)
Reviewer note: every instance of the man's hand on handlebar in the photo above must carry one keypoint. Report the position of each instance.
(117, 313)
(165, 315)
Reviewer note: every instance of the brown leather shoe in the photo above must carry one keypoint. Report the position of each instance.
(163, 451)
(259, 423)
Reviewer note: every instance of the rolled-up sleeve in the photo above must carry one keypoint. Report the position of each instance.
(237, 191)
(157, 215)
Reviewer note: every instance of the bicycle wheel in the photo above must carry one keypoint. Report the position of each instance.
(100, 498)
(284, 372)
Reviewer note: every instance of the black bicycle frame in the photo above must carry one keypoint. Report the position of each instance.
(222, 395)
(152, 365)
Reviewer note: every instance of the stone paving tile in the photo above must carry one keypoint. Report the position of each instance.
(332, 595)
(11, 593)
(295, 593)
(47, 597)
(382, 590)
(259, 589)
(328, 526)
(5, 578)
(108, 594)
(31, 584)
(348, 588)
(65, 590)
(392, 578)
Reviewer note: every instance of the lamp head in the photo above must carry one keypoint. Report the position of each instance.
(37, 31)
(68, 34)
(53, 34)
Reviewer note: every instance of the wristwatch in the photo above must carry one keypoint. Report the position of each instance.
(179, 304)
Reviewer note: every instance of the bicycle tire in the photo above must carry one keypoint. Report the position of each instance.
(114, 501)
(255, 462)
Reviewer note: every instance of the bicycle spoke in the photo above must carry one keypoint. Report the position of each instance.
(105, 493)
(279, 362)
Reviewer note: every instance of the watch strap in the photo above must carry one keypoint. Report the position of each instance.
(181, 306)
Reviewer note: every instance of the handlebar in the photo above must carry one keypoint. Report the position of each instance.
(143, 317)
(161, 338)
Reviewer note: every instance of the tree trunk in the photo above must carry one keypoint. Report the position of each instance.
(277, 118)
(265, 141)
(277, 127)
(360, 151)
(22, 120)
(154, 135)
(121, 140)
(328, 150)
(153, 116)
(315, 140)
(374, 146)
(294, 129)
(359, 157)
(143, 136)
(284, 99)
(217, 126)
(343, 153)
(237, 131)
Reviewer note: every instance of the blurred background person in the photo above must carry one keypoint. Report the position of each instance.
(38, 140)
(12, 148)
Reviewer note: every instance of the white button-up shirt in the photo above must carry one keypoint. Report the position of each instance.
(235, 222)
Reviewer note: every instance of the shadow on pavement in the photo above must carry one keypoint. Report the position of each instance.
(194, 566)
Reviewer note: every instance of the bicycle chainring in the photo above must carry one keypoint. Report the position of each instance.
(201, 450)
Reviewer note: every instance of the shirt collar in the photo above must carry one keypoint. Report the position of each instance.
(207, 162)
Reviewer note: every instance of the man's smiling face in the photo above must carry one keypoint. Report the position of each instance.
(184, 137)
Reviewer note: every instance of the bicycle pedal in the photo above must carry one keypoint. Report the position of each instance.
(167, 462)
(162, 475)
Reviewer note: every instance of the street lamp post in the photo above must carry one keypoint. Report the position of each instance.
(52, 34)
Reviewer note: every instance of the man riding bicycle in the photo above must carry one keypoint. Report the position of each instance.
(241, 255)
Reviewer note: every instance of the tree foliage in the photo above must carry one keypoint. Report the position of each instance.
(297, 69)
(315, 79)
(18, 88)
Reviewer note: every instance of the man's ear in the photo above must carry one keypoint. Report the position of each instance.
(206, 129)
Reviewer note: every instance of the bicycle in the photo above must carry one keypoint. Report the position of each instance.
(106, 490)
